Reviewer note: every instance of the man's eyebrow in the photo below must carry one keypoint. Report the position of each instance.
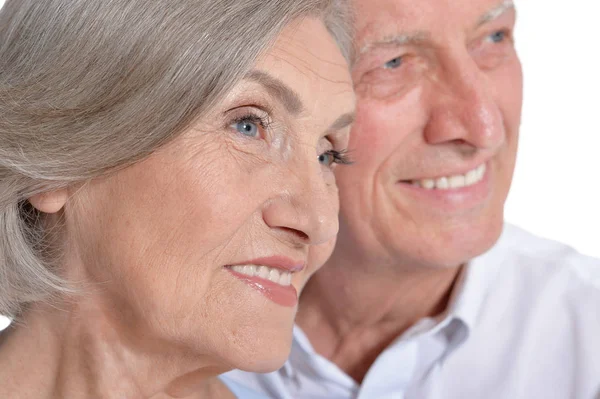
(276, 88)
(343, 121)
(496, 12)
(395, 41)
(420, 37)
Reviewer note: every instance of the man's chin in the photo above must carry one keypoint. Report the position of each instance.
(464, 245)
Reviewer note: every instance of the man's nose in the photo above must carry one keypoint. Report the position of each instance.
(305, 210)
(463, 108)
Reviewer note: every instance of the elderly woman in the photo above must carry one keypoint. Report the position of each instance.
(166, 188)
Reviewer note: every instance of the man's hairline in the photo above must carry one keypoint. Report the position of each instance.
(416, 37)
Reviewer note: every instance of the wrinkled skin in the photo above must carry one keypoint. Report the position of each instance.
(439, 93)
(151, 243)
(452, 101)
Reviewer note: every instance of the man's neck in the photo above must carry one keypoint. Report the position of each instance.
(351, 312)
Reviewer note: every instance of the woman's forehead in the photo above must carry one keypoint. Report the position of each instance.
(306, 52)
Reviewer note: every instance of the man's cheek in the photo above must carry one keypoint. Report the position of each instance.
(367, 137)
(319, 254)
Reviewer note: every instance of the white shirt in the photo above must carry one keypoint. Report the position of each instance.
(523, 322)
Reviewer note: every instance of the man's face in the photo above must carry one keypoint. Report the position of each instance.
(439, 92)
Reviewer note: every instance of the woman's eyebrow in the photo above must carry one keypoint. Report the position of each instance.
(343, 121)
(278, 89)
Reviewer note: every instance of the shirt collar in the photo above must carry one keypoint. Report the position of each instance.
(471, 290)
(465, 305)
(304, 355)
(474, 284)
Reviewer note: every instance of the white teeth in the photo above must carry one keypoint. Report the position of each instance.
(442, 183)
(456, 181)
(277, 276)
(471, 177)
(285, 278)
(428, 183)
(274, 275)
(481, 171)
(453, 182)
(263, 272)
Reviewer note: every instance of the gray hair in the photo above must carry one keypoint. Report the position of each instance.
(90, 86)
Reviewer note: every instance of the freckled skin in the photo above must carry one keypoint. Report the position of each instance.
(150, 243)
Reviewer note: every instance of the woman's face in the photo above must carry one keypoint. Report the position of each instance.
(208, 241)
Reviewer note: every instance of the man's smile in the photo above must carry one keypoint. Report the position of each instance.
(450, 182)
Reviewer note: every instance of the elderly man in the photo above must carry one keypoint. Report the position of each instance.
(428, 293)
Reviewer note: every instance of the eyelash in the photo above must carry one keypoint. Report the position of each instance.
(263, 121)
(340, 157)
(399, 61)
(506, 35)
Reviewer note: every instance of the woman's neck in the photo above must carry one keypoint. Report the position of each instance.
(79, 352)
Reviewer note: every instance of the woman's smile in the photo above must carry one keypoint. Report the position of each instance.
(272, 277)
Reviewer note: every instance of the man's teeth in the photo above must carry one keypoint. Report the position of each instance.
(277, 276)
(452, 182)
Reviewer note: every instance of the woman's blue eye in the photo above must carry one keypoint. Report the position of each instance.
(393, 64)
(330, 157)
(498, 37)
(327, 158)
(247, 128)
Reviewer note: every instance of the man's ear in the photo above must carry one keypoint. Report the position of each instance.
(49, 202)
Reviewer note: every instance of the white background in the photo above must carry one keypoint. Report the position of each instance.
(555, 192)
(556, 188)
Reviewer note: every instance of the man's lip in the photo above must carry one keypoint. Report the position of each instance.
(276, 261)
(455, 172)
(452, 199)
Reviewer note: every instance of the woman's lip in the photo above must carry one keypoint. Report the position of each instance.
(282, 295)
(276, 261)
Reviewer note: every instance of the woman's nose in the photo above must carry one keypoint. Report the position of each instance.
(306, 208)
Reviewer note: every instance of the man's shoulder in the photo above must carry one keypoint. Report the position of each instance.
(531, 257)
(539, 307)
(529, 277)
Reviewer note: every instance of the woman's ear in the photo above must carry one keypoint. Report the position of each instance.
(49, 202)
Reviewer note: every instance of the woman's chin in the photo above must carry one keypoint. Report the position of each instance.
(267, 365)
(265, 356)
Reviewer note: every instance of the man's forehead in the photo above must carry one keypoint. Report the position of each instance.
(407, 21)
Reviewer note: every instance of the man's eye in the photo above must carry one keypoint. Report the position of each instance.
(497, 37)
(393, 64)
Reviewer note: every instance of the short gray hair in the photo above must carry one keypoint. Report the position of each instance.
(88, 86)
